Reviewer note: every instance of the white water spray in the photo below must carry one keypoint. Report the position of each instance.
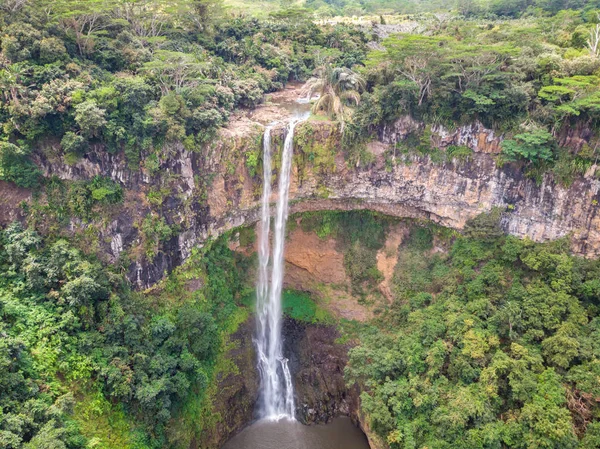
(276, 381)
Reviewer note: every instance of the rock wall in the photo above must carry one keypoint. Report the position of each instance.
(317, 363)
(317, 356)
(236, 392)
(11, 196)
(216, 189)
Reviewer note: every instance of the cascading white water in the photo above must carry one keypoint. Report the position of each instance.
(268, 372)
(276, 381)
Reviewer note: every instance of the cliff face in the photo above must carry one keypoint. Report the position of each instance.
(234, 398)
(317, 363)
(217, 188)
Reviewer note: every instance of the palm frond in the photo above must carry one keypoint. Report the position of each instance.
(351, 95)
(337, 86)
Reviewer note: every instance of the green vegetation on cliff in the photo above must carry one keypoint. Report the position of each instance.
(359, 235)
(534, 80)
(301, 307)
(378, 9)
(122, 76)
(493, 344)
(79, 348)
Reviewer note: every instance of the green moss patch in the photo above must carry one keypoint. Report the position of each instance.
(300, 306)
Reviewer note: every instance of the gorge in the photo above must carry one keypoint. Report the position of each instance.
(308, 224)
(449, 193)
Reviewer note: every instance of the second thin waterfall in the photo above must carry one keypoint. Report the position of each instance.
(277, 390)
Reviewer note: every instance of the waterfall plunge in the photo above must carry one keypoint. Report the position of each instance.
(276, 381)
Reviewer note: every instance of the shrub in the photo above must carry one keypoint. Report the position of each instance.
(90, 118)
(420, 238)
(460, 152)
(535, 147)
(52, 49)
(361, 266)
(105, 190)
(15, 166)
(155, 230)
(485, 226)
(72, 143)
(568, 166)
(247, 92)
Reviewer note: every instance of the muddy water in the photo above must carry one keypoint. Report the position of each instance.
(339, 434)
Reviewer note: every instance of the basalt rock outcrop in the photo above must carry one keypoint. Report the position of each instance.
(217, 188)
(233, 405)
(317, 364)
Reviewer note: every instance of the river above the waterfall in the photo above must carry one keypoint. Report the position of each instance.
(284, 434)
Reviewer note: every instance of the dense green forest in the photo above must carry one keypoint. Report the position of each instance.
(325, 9)
(492, 345)
(134, 75)
(79, 348)
(536, 79)
(490, 341)
(489, 8)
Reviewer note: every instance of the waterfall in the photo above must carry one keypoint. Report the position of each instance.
(277, 390)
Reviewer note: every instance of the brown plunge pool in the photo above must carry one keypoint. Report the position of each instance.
(284, 434)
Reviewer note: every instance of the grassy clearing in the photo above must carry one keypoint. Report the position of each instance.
(252, 7)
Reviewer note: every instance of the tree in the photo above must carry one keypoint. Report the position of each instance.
(203, 13)
(337, 88)
(415, 57)
(467, 7)
(174, 70)
(145, 17)
(15, 166)
(20, 42)
(511, 8)
(52, 49)
(547, 422)
(474, 65)
(149, 18)
(593, 42)
(11, 81)
(535, 147)
(90, 118)
(13, 6)
(573, 96)
(73, 143)
(84, 19)
(292, 14)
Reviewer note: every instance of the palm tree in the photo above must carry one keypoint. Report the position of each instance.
(338, 88)
(11, 78)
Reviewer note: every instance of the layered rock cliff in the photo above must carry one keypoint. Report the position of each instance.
(216, 188)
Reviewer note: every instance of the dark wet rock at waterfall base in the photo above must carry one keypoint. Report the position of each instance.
(317, 364)
(236, 392)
